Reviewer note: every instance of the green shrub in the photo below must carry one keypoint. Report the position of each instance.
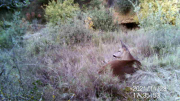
(156, 13)
(18, 82)
(60, 11)
(12, 32)
(124, 6)
(43, 1)
(9, 7)
(159, 42)
(9, 4)
(92, 4)
(95, 3)
(163, 40)
(102, 19)
(73, 33)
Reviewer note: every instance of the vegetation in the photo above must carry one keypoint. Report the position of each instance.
(124, 6)
(43, 1)
(8, 7)
(12, 32)
(11, 4)
(62, 11)
(91, 5)
(61, 60)
(156, 13)
(103, 19)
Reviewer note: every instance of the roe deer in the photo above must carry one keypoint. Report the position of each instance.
(127, 65)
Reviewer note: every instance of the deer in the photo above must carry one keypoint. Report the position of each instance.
(127, 65)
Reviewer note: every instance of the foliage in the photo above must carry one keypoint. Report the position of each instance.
(12, 32)
(17, 76)
(124, 6)
(73, 33)
(103, 19)
(70, 73)
(67, 71)
(43, 1)
(60, 11)
(95, 3)
(155, 13)
(9, 4)
(163, 40)
(8, 7)
(1, 25)
(88, 22)
(71, 66)
(91, 5)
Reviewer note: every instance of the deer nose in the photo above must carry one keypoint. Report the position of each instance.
(114, 55)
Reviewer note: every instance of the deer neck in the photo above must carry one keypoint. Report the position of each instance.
(128, 56)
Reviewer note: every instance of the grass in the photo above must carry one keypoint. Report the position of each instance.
(55, 64)
(73, 69)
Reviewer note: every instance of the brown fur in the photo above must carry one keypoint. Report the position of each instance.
(122, 67)
(128, 64)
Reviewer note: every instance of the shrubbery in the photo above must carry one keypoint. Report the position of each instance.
(156, 13)
(91, 5)
(46, 70)
(43, 1)
(18, 82)
(62, 11)
(124, 6)
(9, 4)
(73, 33)
(12, 32)
(163, 40)
(103, 19)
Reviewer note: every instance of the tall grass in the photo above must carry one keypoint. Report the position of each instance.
(62, 62)
(70, 71)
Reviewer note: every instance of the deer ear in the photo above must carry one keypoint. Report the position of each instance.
(123, 45)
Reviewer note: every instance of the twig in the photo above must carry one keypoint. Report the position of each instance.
(136, 8)
(16, 66)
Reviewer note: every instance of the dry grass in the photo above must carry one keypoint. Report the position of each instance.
(70, 70)
(74, 69)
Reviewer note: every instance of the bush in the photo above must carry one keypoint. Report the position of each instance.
(18, 82)
(73, 33)
(60, 11)
(156, 13)
(124, 6)
(9, 4)
(43, 1)
(159, 42)
(8, 7)
(12, 32)
(95, 3)
(163, 40)
(86, 5)
(6, 15)
(103, 20)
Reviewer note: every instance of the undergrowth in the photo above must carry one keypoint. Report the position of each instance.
(61, 61)
(70, 71)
